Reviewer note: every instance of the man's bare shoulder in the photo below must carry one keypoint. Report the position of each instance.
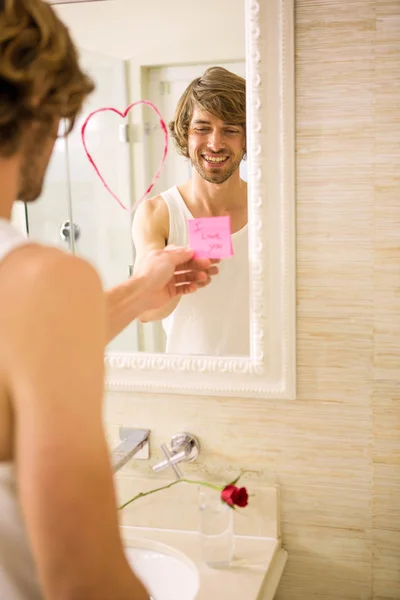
(49, 300)
(34, 265)
(154, 208)
(151, 217)
(35, 277)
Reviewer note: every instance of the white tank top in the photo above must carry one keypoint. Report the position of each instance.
(214, 320)
(17, 572)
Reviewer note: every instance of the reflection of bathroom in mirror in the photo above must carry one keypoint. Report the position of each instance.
(161, 48)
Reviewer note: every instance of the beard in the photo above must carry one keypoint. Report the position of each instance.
(216, 175)
(36, 153)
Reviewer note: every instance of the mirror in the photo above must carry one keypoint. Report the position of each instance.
(236, 335)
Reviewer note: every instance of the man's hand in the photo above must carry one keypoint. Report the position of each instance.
(160, 279)
(172, 272)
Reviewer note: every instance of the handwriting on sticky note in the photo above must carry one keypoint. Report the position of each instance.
(210, 237)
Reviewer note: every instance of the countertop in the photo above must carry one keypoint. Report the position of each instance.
(254, 574)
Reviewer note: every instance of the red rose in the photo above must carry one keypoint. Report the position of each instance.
(235, 496)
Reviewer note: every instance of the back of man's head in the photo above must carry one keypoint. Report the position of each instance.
(40, 78)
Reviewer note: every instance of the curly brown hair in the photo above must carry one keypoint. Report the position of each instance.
(219, 92)
(40, 78)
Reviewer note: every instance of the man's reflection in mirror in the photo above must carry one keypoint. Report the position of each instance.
(209, 129)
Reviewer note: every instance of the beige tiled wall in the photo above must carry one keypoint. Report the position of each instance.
(336, 449)
(386, 301)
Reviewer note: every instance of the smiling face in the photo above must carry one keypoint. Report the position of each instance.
(216, 148)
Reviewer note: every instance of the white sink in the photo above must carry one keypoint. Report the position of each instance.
(167, 573)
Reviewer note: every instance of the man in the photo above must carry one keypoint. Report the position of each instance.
(209, 130)
(58, 524)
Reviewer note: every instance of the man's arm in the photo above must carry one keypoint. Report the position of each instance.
(150, 232)
(161, 275)
(55, 367)
(127, 301)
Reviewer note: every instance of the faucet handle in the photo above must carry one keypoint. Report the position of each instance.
(171, 462)
(184, 447)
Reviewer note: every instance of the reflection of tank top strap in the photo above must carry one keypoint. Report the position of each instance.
(179, 215)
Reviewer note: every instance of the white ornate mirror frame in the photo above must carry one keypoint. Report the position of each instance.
(269, 372)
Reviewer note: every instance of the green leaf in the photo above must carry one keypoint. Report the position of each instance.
(234, 482)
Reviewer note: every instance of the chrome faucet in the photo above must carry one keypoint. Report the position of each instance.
(135, 443)
(184, 447)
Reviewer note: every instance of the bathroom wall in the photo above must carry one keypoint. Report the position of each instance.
(180, 33)
(335, 450)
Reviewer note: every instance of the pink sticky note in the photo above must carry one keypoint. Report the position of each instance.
(210, 237)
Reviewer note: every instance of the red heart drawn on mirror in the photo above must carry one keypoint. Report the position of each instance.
(123, 116)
